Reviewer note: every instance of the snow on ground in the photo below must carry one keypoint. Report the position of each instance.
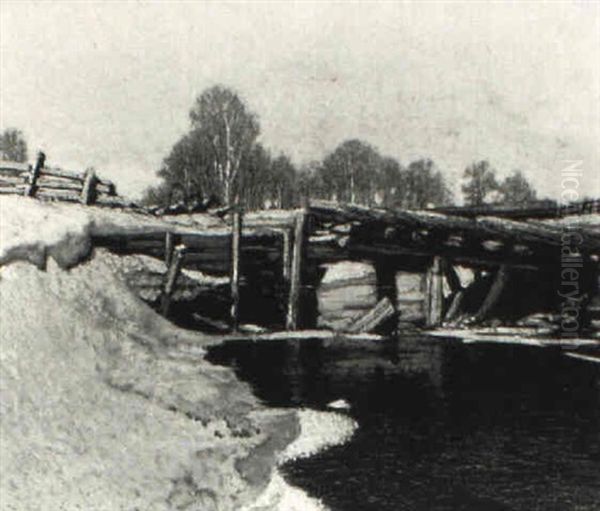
(104, 404)
(591, 221)
(96, 414)
(31, 230)
(318, 431)
(347, 270)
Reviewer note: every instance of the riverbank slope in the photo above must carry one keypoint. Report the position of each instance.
(104, 404)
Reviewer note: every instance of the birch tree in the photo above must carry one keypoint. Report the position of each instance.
(350, 172)
(229, 131)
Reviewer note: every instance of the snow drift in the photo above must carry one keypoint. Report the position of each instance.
(105, 405)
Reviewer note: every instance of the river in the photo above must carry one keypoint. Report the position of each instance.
(443, 426)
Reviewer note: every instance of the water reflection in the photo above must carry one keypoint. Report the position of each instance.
(443, 426)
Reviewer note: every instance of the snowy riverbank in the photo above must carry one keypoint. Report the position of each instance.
(105, 405)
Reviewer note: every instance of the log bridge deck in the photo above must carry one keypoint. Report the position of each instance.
(294, 245)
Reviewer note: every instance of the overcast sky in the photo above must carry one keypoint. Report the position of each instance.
(110, 85)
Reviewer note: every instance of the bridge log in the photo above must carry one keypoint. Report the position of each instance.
(494, 294)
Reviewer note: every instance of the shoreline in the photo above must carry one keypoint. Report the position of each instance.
(319, 431)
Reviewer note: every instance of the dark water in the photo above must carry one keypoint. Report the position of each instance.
(443, 426)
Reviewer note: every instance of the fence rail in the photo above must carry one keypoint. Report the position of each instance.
(57, 184)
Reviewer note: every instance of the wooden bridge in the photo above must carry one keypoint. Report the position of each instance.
(282, 253)
(287, 250)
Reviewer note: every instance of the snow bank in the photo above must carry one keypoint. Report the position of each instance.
(318, 431)
(97, 414)
(32, 230)
(105, 405)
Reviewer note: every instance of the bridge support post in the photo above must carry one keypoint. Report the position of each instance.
(286, 253)
(434, 300)
(458, 293)
(494, 294)
(236, 235)
(169, 247)
(294, 296)
(171, 279)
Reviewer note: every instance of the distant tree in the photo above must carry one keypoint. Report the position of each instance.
(281, 187)
(350, 172)
(13, 146)
(257, 177)
(310, 183)
(516, 190)
(422, 185)
(159, 195)
(186, 171)
(390, 183)
(479, 182)
(225, 126)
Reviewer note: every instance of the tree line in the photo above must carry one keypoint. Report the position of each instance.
(220, 162)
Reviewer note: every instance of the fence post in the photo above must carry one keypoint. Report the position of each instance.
(88, 193)
(35, 174)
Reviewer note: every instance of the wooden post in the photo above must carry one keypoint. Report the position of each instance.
(88, 193)
(171, 278)
(236, 234)
(451, 276)
(296, 271)
(169, 247)
(435, 294)
(491, 299)
(455, 306)
(35, 174)
(287, 249)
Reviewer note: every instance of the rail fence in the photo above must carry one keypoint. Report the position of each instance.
(56, 184)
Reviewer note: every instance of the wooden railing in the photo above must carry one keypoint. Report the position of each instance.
(56, 184)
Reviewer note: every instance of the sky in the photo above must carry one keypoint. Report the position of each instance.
(110, 84)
